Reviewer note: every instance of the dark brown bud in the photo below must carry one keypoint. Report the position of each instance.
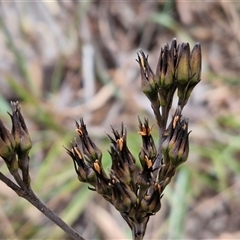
(89, 147)
(122, 159)
(176, 145)
(165, 68)
(125, 197)
(20, 131)
(179, 152)
(119, 166)
(84, 171)
(147, 140)
(151, 203)
(144, 181)
(22, 139)
(116, 198)
(148, 84)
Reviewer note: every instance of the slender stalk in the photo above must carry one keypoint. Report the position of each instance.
(10, 184)
(137, 238)
(135, 234)
(29, 195)
(18, 179)
(157, 163)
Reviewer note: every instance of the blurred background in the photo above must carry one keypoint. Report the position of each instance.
(63, 60)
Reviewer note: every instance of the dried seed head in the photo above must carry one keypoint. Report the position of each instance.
(134, 191)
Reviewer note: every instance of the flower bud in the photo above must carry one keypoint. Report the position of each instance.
(84, 171)
(165, 68)
(148, 84)
(129, 194)
(191, 66)
(147, 140)
(102, 186)
(145, 161)
(179, 152)
(124, 197)
(117, 198)
(176, 145)
(123, 162)
(195, 63)
(151, 203)
(120, 168)
(20, 131)
(89, 147)
(23, 141)
(183, 72)
(7, 144)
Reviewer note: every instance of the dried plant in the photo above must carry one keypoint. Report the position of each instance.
(135, 193)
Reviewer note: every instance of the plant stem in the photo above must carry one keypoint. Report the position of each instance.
(139, 228)
(137, 238)
(29, 195)
(157, 163)
(10, 184)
